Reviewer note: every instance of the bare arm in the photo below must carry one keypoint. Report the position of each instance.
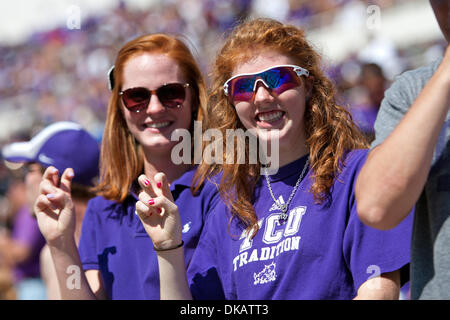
(50, 278)
(48, 274)
(384, 287)
(172, 275)
(73, 283)
(395, 172)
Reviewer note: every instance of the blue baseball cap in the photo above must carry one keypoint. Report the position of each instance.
(62, 145)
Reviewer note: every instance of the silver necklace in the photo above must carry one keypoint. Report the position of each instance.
(284, 207)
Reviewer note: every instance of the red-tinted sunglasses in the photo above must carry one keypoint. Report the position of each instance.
(277, 79)
(171, 95)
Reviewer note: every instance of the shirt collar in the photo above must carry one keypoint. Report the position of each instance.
(293, 168)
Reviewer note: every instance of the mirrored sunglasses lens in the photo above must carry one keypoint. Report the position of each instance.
(278, 79)
(242, 88)
(272, 77)
(282, 79)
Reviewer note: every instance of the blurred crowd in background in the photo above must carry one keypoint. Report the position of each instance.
(60, 74)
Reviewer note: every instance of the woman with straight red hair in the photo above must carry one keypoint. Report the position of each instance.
(157, 89)
(294, 233)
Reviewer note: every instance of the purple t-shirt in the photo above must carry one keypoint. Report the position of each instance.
(320, 252)
(114, 241)
(26, 232)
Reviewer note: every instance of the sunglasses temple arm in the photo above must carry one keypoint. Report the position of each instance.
(111, 81)
(225, 88)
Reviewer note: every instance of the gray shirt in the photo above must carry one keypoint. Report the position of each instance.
(430, 248)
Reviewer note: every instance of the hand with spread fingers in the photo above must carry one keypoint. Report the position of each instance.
(158, 212)
(54, 206)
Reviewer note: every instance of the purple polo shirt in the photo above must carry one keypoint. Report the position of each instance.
(114, 241)
(320, 252)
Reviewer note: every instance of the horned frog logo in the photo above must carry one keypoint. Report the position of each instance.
(266, 275)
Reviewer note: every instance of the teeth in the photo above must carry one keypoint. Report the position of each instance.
(158, 124)
(270, 116)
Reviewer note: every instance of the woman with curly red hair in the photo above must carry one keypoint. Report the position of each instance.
(293, 234)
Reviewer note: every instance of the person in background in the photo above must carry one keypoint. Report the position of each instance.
(61, 145)
(371, 85)
(12, 189)
(20, 246)
(409, 165)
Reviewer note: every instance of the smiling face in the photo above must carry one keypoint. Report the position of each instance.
(283, 113)
(153, 126)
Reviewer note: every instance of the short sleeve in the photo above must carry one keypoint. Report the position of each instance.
(87, 246)
(369, 252)
(203, 274)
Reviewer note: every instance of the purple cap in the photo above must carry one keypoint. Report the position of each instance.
(62, 145)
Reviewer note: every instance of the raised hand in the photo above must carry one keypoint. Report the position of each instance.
(54, 207)
(158, 212)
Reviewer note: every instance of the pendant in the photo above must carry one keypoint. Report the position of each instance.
(283, 216)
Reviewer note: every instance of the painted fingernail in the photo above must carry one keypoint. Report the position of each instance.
(158, 184)
(151, 202)
(147, 182)
(159, 210)
(150, 213)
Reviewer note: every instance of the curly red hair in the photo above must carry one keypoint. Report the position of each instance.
(329, 129)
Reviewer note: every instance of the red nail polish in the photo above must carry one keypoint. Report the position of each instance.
(151, 202)
(158, 184)
(159, 210)
(147, 182)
